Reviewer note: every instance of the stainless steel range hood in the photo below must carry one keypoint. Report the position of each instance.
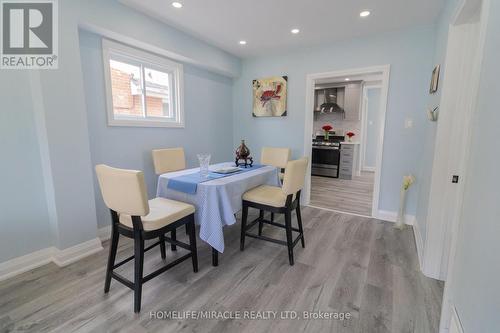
(330, 101)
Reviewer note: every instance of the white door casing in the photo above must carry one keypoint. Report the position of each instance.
(384, 72)
(467, 35)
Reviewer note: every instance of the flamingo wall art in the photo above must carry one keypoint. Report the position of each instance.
(269, 97)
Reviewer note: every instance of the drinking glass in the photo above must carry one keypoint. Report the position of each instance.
(204, 159)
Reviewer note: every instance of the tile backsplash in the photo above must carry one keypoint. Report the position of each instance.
(340, 125)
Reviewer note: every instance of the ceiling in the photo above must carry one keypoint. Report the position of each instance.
(266, 24)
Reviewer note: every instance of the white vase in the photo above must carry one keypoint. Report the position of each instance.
(400, 222)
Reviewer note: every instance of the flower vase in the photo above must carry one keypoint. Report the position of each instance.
(400, 222)
(327, 136)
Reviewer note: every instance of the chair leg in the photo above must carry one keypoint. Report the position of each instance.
(111, 258)
(244, 217)
(187, 230)
(173, 235)
(289, 241)
(192, 244)
(162, 247)
(261, 224)
(272, 217)
(138, 269)
(299, 222)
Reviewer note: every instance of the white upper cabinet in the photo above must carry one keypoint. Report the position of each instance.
(352, 101)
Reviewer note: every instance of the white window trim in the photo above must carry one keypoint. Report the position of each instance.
(109, 47)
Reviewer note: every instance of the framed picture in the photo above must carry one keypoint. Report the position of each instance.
(269, 96)
(435, 80)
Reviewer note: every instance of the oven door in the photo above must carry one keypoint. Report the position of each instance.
(325, 162)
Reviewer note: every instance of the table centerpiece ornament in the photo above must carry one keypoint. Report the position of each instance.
(243, 157)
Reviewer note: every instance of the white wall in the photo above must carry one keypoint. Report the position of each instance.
(410, 55)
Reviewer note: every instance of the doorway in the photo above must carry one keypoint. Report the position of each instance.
(345, 172)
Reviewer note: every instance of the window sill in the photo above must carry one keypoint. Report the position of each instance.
(144, 123)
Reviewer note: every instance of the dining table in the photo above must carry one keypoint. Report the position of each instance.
(217, 197)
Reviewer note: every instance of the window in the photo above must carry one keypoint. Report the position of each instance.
(142, 89)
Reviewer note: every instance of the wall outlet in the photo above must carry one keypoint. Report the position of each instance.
(408, 123)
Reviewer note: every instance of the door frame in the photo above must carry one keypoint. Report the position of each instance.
(464, 11)
(384, 70)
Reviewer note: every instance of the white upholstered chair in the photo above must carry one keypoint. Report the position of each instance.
(168, 160)
(280, 200)
(277, 157)
(133, 216)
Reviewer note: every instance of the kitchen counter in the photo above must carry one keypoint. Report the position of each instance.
(349, 143)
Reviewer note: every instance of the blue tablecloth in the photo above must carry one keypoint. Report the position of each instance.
(188, 183)
(217, 200)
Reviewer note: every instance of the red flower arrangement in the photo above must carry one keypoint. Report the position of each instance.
(350, 135)
(327, 128)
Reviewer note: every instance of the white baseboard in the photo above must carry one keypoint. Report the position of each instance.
(42, 257)
(455, 323)
(68, 256)
(419, 243)
(25, 263)
(391, 216)
(104, 233)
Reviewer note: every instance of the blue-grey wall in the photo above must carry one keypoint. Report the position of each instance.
(410, 54)
(429, 127)
(23, 211)
(51, 143)
(373, 115)
(475, 289)
(208, 118)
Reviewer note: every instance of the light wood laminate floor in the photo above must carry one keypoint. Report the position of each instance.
(350, 196)
(353, 264)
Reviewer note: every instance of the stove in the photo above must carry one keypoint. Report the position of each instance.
(326, 157)
(325, 144)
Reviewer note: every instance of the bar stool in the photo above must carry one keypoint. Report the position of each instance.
(280, 200)
(133, 216)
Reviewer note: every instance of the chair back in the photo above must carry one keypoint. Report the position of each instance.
(277, 157)
(168, 160)
(295, 174)
(123, 191)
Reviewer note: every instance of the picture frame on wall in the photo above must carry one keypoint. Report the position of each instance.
(435, 80)
(270, 96)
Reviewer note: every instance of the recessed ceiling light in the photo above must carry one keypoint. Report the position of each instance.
(177, 4)
(295, 31)
(243, 42)
(365, 13)
(347, 79)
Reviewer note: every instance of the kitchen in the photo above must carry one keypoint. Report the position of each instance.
(341, 180)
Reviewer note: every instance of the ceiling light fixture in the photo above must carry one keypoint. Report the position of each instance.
(176, 4)
(365, 13)
(243, 42)
(295, 31)
(347, 79)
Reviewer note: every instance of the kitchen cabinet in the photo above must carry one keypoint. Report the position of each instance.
(348, 160)
(352, 101)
